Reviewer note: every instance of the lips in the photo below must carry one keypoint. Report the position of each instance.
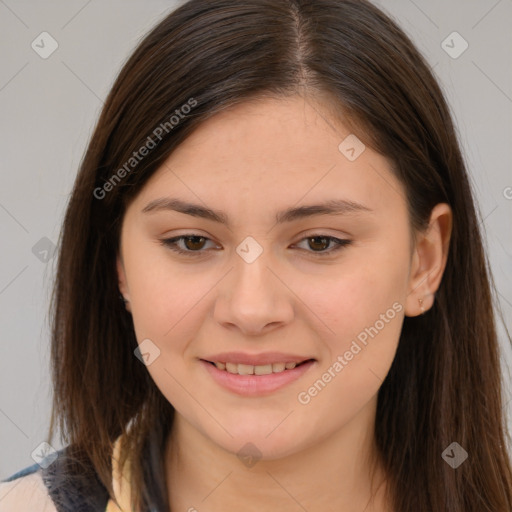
(260, 383)
(256, 364)
(248, 369)
(241, 358)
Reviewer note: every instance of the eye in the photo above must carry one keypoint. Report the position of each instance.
(319, 241)
(193, 244)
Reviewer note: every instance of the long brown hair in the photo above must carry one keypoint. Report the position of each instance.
(444, 385)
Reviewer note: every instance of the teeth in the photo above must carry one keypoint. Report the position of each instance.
(278, 367)
(248, 369)
(263, 369)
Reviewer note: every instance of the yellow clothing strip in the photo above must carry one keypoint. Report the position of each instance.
(120, 482)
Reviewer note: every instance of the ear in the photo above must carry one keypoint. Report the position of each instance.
(123, 286)
(429, 261)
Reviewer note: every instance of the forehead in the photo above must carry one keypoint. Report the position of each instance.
(277, 151)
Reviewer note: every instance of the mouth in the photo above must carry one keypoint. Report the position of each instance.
(256, 380)
(249, 369)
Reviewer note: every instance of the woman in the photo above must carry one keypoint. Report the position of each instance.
(276, 193)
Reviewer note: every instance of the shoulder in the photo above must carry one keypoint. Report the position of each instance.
(60, 486)
(25, 491)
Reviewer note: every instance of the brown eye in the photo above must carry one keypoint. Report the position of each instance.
(318, 243)
(191, 245)
(194, 243)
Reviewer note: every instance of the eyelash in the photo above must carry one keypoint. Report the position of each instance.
(171, 244)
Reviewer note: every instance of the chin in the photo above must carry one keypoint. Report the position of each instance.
(256, 441)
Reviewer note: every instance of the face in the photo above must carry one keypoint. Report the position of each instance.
(256, 285)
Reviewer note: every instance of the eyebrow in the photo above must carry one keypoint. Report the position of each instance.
(330, 207)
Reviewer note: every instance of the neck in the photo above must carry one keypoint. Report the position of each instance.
(204, 476)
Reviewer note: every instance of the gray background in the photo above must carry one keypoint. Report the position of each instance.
(49, 108)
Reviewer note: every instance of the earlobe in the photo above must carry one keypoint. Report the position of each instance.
(123, 288)
(429, 261)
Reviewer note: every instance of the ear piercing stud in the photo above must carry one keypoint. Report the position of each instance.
(421, 306)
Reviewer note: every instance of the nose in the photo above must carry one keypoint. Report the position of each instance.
(254, 298)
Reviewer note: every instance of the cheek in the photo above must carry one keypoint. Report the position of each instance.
(360, 310)
(161, 294)
(168, 309)
(348, 298)
(364, 314)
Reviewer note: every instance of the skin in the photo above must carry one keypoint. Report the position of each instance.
(252, 161)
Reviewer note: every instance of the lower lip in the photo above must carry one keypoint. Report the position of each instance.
(256, 385)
